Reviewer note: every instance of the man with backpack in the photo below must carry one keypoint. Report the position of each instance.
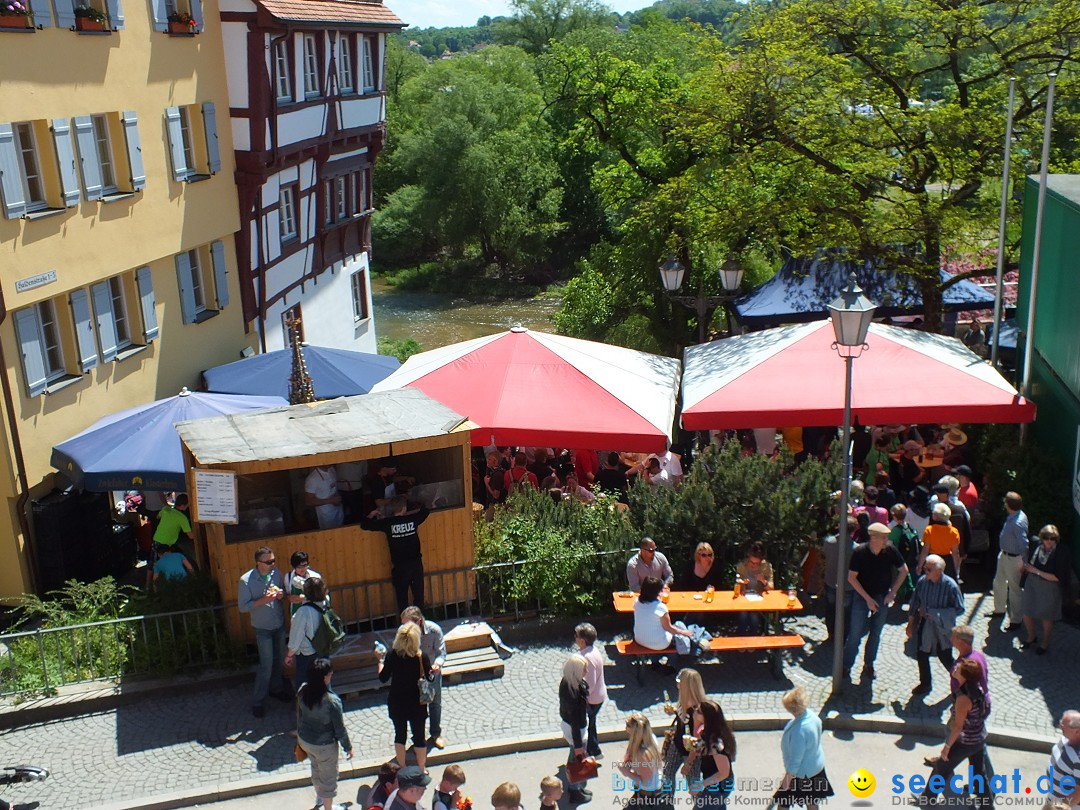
(316, 631)
(519, 475)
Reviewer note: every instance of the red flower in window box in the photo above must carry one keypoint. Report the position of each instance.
(183, 23)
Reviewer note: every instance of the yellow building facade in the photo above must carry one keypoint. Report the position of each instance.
(118, 279)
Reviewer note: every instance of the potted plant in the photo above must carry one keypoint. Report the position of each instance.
(14, 14)
(181, 22)
(89, 19)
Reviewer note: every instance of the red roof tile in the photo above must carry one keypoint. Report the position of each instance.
(356, 12)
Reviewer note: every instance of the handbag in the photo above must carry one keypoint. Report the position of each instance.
(581, 769)
(425, 685)
(299, 753)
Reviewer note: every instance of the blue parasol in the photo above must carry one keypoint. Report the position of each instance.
(139, 448)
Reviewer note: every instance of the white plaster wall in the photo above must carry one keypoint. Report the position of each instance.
(237, 5)
(271, 190)
(286, 272)
(327, 310)
(300, 125)
(234, 40)
(241, 132)
(361, 112)
(308, 175)
(346, 155)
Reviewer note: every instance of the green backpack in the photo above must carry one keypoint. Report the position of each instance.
(330, 633)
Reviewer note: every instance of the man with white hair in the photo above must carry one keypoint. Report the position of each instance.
(932, 614)
(1064, 766)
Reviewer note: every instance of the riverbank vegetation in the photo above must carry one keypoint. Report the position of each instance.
(589, 147)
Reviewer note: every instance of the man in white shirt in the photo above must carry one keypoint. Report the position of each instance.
(321, 491)
(671, 463)
(585, 638)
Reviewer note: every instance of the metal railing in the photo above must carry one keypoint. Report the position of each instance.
(45, 659)
(165, 643)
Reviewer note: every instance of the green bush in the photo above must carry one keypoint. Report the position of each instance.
(157, 645)
(401, 349)
(558, 543)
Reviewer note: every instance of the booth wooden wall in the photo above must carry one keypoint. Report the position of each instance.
(348, 557)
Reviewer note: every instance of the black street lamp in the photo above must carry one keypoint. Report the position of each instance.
(672, 272)
(851, 314)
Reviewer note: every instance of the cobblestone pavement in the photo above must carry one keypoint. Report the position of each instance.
(198, 740)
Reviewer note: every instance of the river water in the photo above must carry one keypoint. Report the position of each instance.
(434, 319)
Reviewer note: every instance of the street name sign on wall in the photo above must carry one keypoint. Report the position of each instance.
(215, 497)
(40, 280)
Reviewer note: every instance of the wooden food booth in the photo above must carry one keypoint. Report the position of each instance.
(247, 472)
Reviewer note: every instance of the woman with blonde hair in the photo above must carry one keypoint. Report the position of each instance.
(704, 572)
(641, 763)
(805, 781)
(573, 711)
(403, 667)
(691, 695)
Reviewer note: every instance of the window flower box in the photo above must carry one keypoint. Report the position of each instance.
(182, 24)
(14, 14)
(90, 19)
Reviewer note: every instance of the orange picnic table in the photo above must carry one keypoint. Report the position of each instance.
(722, 602)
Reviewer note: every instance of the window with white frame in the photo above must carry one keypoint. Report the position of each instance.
(201, 274)
(328, 202)
(359, 192)
(311, 66)
(198, 282)
(30, 163)
(194, 148)
(283, 71)
(287, 213)
(103, 148)
(368, 65)
(52, 349)
(120, 311)
(359, 295)
(341, 198)
(346, 84)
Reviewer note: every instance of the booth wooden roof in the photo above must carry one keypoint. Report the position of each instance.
(335, 430)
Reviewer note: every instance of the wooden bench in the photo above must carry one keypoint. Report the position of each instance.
(774, 644)
(469, 649)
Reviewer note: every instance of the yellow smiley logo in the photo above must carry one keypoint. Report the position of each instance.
(861, 783)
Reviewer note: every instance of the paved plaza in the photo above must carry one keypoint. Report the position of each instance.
(198, 742)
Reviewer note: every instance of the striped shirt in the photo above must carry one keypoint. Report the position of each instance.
(944, 593)
(1064, 761)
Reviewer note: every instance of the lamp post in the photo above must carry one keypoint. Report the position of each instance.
(672, 272)
(851, 314)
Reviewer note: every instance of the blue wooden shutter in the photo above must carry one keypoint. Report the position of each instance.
(134, 150)
(221, 282)
(116, 14)
(106, 320)
(65, 13)
(91, 168)
(65, 156)
(145, 280)
(29, 334)
(11, 181)
(196, 12)
(176, 144)
(42, 13)
(84, 330)
(183, 281)
(161, 15)
(209, 115)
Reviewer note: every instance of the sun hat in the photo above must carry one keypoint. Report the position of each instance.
(878, 528)
(955, 436)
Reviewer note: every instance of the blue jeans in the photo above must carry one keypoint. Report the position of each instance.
(271, 647)
(592, 740)
(434, 709)
(303, 664)
(860, 619)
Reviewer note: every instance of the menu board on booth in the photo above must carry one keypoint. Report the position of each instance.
(215, 497)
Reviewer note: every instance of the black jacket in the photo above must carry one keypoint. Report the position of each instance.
(573, 709)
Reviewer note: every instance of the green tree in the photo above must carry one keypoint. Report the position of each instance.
(901, 106)
(535, 24)
(473, 167)
(402, 63)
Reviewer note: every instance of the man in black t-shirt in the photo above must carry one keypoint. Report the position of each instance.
(876, 573)
(406, 563)
(612, 478)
